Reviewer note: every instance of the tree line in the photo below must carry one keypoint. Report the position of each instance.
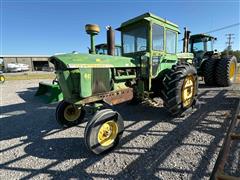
(231, 52)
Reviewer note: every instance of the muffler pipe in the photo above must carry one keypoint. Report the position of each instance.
(186, 40)
(110, 41)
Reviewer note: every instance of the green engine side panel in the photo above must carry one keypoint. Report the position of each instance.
(65, 81)
(85, 82)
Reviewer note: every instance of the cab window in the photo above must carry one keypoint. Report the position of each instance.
(117, 51)
(171, 37)
(198, 46)
(135, 40)
(210, 45)
(157, 37)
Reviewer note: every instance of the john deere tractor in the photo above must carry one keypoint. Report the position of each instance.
(149, 67)
(215, 69)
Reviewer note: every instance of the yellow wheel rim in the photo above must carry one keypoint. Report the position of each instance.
(188, 90)
(71, 113)
(107, 133)
(232, 70)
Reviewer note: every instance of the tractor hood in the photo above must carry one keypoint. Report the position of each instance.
(73, 61)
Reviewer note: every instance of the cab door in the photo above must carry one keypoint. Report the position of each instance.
(170, 57)
(157, 48)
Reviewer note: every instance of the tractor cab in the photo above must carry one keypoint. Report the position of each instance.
(151, 39)
(201, 45)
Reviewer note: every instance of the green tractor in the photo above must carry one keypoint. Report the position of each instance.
(215, 69)
(149, 67)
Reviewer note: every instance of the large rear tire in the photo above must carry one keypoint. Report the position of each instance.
(180, 88)
(226, 71)
(209, 71)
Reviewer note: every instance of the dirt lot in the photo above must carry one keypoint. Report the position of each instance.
(154, 145)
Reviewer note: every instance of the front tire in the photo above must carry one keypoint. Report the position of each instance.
(104, 131)
(180, 88)
(226, 71)
(68, 115)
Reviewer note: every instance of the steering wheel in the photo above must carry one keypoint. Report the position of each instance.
(143, 48)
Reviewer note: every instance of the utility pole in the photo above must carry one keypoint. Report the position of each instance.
(229, 42)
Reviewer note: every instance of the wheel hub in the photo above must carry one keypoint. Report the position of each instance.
(232, 70)
(71, 113)
(107, 133)
(188, 90)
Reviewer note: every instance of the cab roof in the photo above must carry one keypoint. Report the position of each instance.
(148, 17)
(199, 36)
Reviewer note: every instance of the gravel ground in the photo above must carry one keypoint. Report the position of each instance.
(154, 145)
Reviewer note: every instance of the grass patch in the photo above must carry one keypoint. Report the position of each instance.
(29, 76)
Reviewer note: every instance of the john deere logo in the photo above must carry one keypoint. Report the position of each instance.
(98, 60)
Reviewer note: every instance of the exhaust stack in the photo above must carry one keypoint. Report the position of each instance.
(186, 40)
(110, 41)
(92, 30)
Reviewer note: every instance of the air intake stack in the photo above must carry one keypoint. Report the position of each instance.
(92, 30)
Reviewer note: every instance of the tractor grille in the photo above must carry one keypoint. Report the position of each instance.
(101, 81)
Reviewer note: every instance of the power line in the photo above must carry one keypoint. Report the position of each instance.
(219, 29)
(222, 28)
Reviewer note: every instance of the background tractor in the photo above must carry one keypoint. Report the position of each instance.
(103, 49)
(214, 68)
(149, 67)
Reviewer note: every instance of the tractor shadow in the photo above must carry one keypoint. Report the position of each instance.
(149, 161)
(203, 85)
(26, 119)
(62, 149)
(58, 148)
(72, 148)
(36, 120)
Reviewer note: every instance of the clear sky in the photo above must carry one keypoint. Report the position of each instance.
(31, 27)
